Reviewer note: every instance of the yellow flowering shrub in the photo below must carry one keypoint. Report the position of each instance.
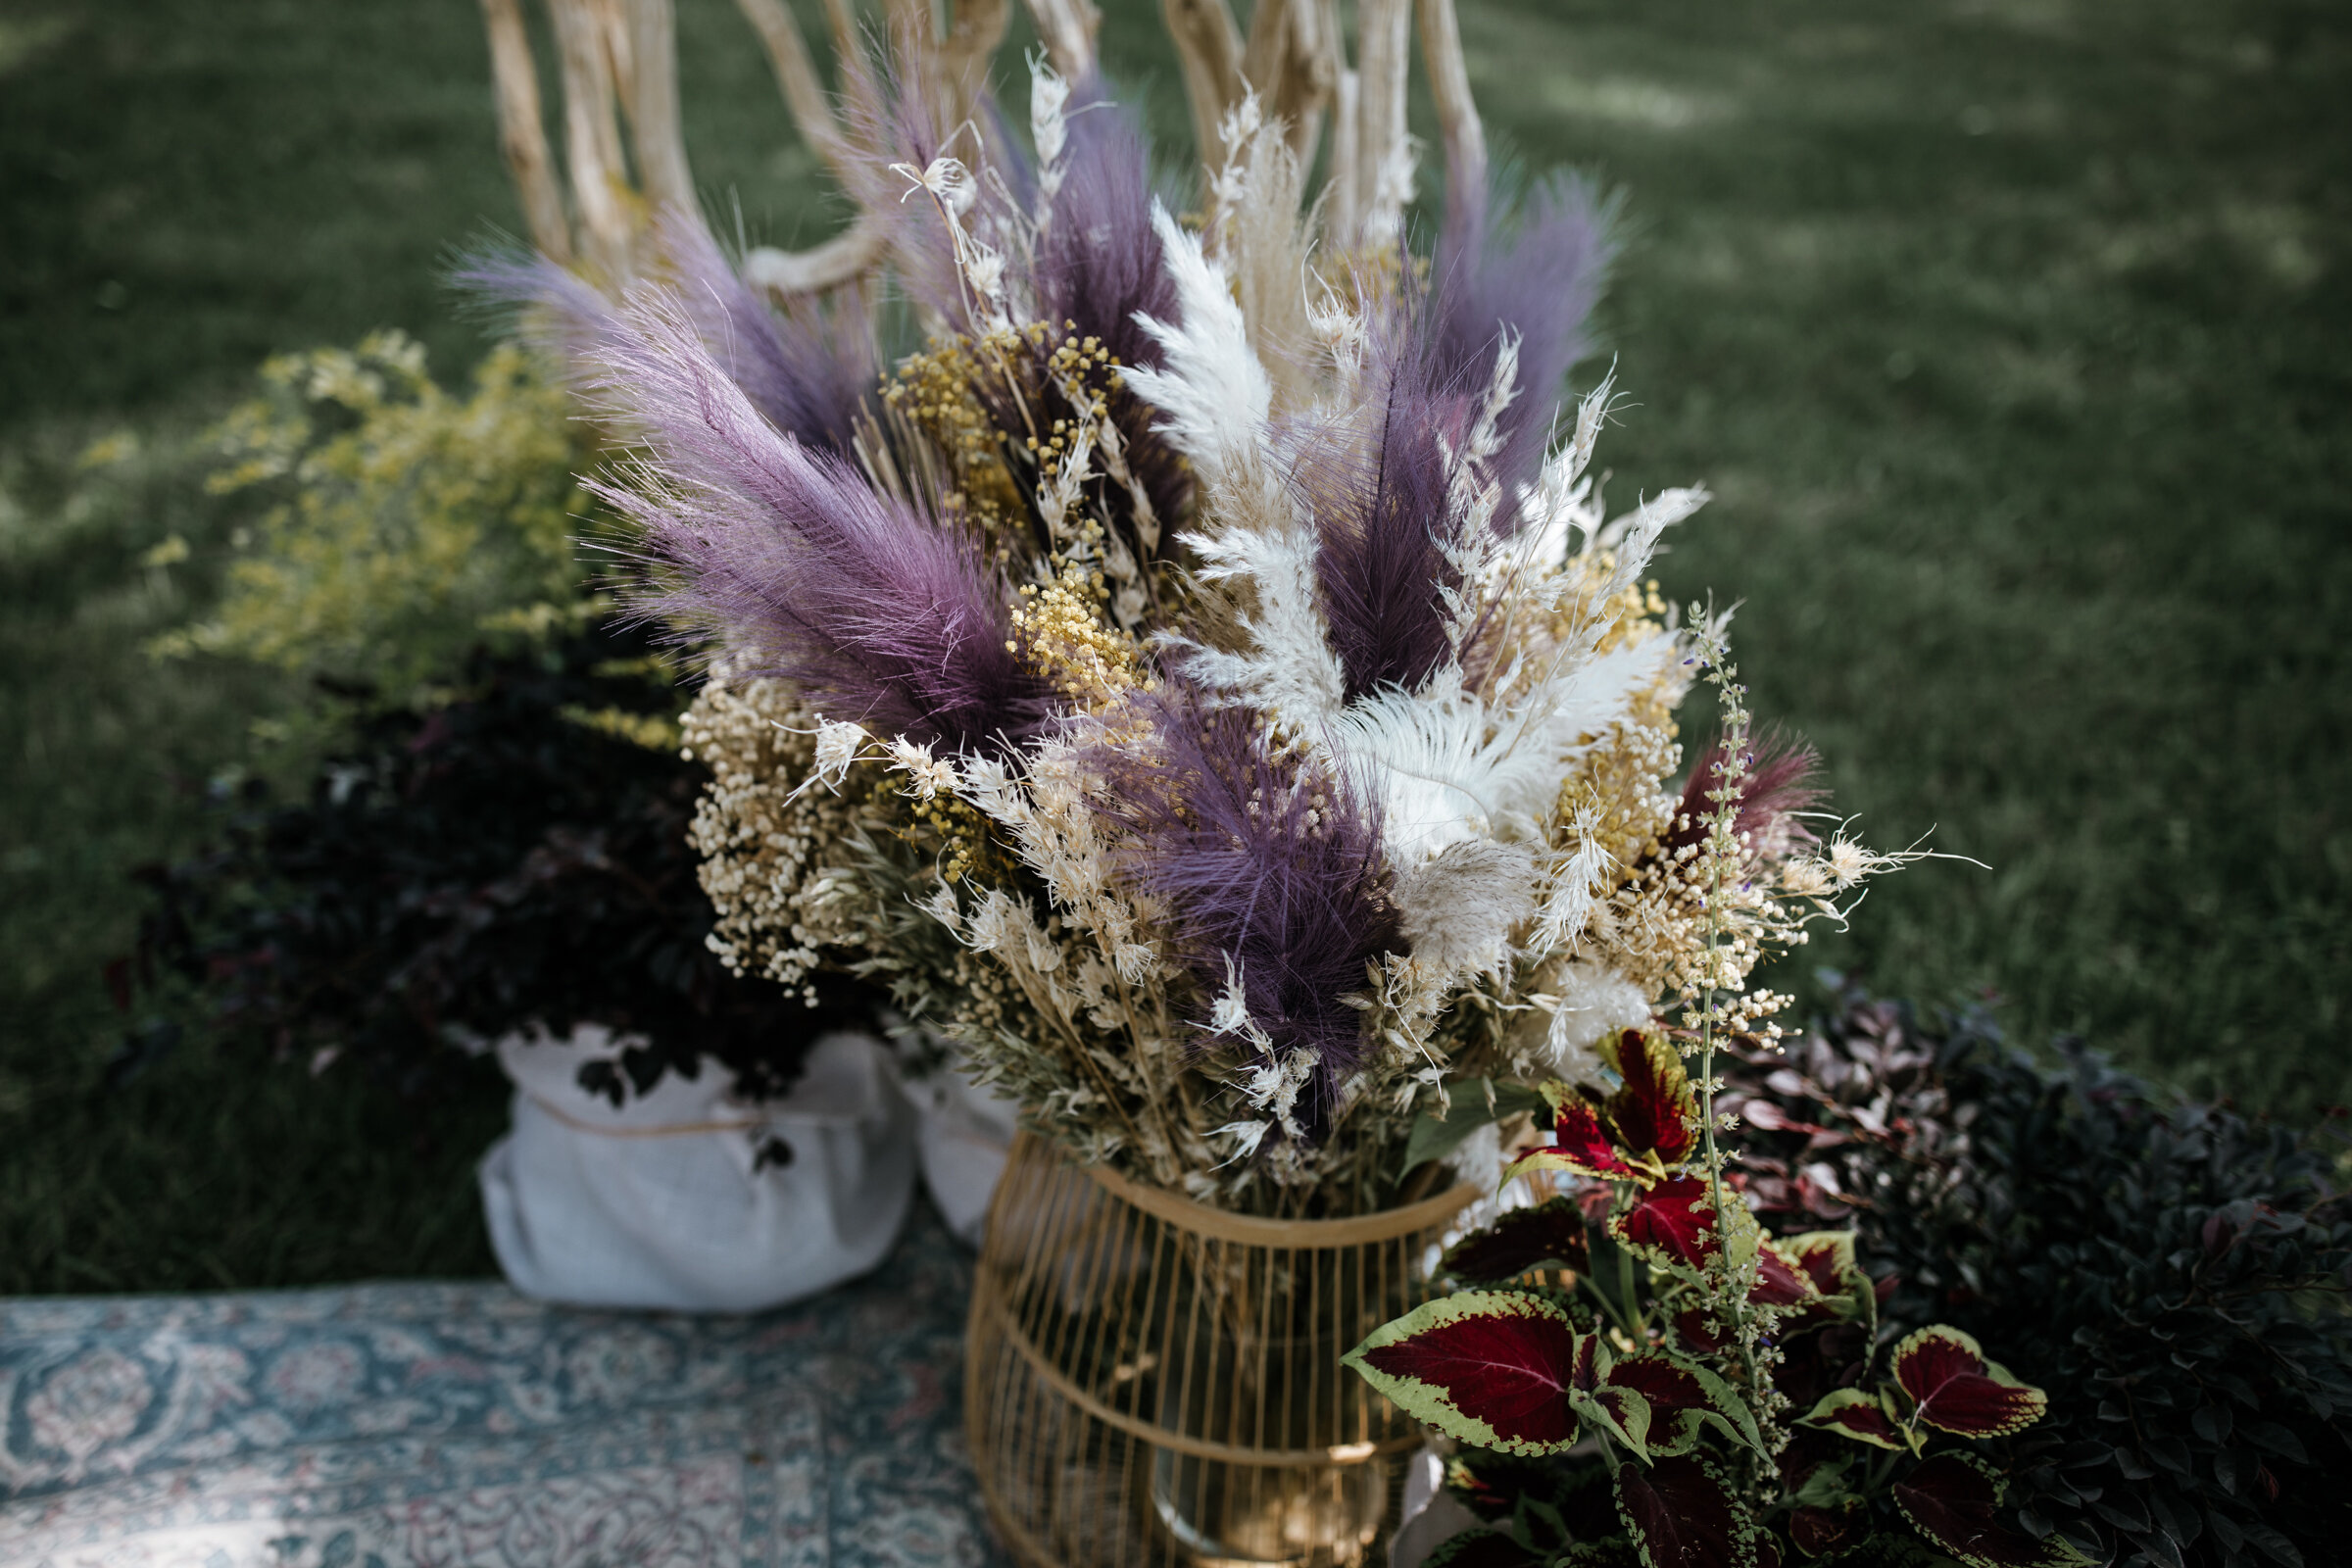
(405, 522)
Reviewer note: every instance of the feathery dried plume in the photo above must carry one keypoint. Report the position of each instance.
(1271, 870)
(1532, 277)
(1210, 709)
(876, 613)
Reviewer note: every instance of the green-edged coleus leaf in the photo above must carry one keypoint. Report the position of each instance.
(1862, 1416)
(1780, 1278)
(1492, 1368)
(1954, 1389)
(1682, 1514)
(1655, 1111)
(1954, 1500)
(1673, 1222)
(1827, 1257)
(1548, 1235)
(1681, 1397)
(1580, 1145)
(1817, 1531)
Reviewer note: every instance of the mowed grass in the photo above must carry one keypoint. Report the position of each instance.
(2011, 339)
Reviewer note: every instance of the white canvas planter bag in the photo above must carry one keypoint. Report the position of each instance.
(656, 1203)
(967, 1136)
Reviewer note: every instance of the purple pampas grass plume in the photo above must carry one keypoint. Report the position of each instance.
(1377, 483)
(1782, 783)
(1537, 274)
(1099, 264)
(810, 369)
(788, 557)
(1270, 869)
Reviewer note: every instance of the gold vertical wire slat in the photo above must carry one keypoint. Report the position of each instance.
(1156, 1383)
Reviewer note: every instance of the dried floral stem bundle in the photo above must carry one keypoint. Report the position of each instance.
(1195, 680)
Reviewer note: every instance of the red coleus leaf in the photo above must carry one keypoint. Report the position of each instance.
(1676, 1398)
(1674, 1219)
(1488, 1367)
(1655, 1110)
(1691, 1329)
(1818, 1531)
(1580, 1143)
(1827, 1257)
(1956, 1389)
(1549, 1234)
(1954, 1501)
(1779, 1281)
(1682, 1515)
(1853, 1413)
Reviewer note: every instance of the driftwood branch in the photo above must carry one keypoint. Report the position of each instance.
(617, 62)
(1068, 28)
(795, 77)
(854, 252)
(1293, 62)
(1459, 129)
(522, 132)
(656, 128)
(1383, 59)
(1208, 48)
(592, 140)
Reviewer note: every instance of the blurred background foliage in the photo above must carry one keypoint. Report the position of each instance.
(2012, 337)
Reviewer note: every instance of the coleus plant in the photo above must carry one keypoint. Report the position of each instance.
(1635, 1372)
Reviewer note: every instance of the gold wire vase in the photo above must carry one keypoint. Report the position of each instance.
(1151, 1383)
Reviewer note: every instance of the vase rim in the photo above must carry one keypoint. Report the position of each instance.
(1353, 1230)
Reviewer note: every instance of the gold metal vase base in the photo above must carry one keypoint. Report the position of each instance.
(1150, 1382)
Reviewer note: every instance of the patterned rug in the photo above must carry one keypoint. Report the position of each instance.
(383, 1426)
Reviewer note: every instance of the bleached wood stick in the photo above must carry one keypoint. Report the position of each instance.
(592, 140)
(654, 125)
(1343, 215)
(521, 133)
(795, 77)
(1068, 28)
(1384, 35)
(1294, 66)
(975, 28)
(1208, 48)
(854, 252)
(1459, 129)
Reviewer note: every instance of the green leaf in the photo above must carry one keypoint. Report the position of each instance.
(1471, 1103)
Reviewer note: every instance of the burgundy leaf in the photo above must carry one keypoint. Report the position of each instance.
(1958, 1390)
(1826, 1256)
(1551, 1232)
(1664, 1385)
(1681, 1515)
(1655, 1109)
(1675, 1218)
(1778, 1281)
(1954, 1501)
(1579, 1144)
(1690, 1328)
(1490, 1367)
(1853, 1413)
(1818, 1531)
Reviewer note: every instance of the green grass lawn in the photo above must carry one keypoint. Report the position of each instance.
(2011, 335)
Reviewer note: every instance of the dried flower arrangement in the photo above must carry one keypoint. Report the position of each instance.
(1189, 680)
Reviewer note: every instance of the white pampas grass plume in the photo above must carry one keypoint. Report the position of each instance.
(1594, 1000)
(1457, 909)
